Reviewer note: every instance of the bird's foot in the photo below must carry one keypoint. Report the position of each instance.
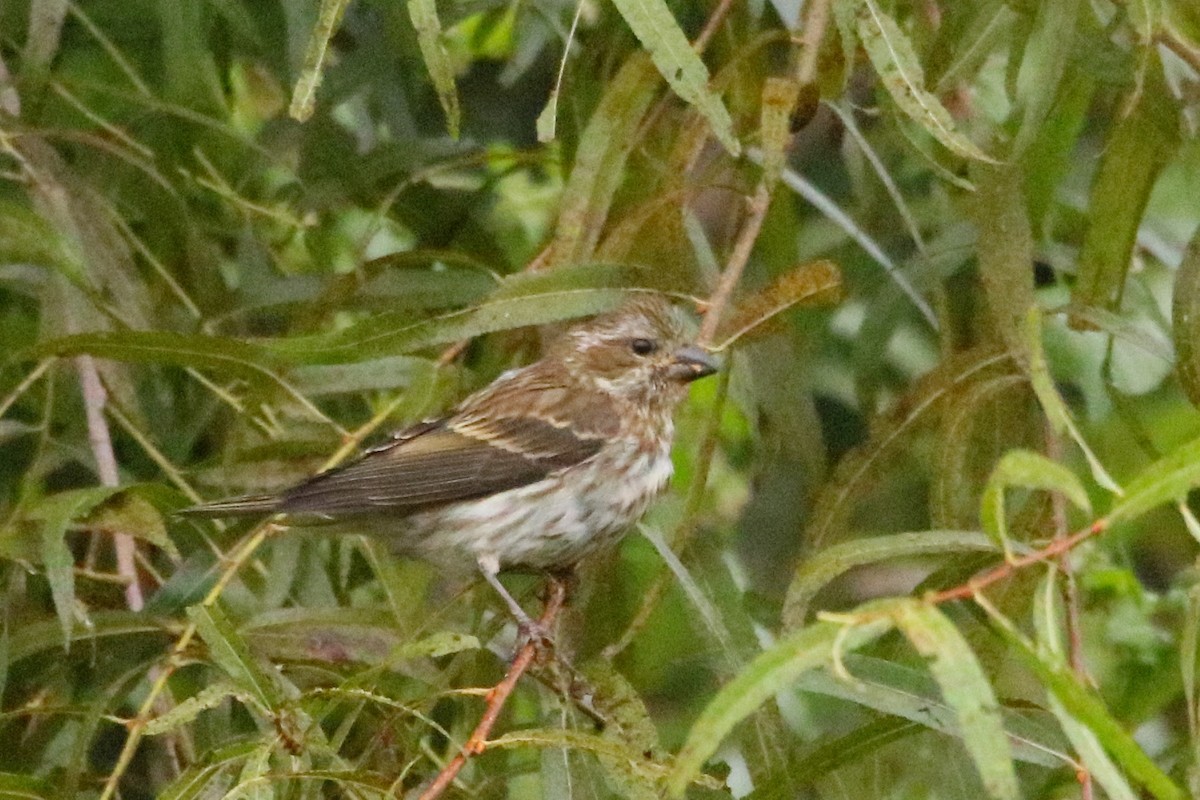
(530, 631)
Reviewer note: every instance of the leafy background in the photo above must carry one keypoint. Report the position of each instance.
(930, 534)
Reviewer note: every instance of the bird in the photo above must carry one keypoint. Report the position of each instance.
(546, 465)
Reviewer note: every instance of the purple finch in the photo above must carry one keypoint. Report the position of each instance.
(547, 464)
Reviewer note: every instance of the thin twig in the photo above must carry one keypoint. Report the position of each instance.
(1070, 596)
(710, 26)
(816, 20)
(94, 399)
(498, 696)
(737, 264)
(1056, 548)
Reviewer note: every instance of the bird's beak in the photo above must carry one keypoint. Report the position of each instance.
(690, 363)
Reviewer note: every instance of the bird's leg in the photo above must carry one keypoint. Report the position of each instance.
(528, 629)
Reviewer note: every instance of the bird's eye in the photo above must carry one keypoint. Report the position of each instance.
(643, 347)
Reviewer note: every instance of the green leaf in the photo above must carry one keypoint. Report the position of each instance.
(818, 570)
(1185, 319)
(1138, 147)
(229, 651)
(1052, 402)
(600, 159)
(1164, 481)
(56, 513)
(1082, 704)
(811, 283)
(893, 57)
(654, 26)
(437, 59)
(966, 689)
(304, 96)
(1028, 470)
(210, 696)
(1043, 64)
(911, 694)
(1048, 623)
(806, 649)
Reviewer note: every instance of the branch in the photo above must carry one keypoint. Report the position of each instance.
(1056, 548)
(94, 399)
(737, 264)
(498, 695)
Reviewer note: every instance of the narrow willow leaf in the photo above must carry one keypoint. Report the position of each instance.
(635, 769)
(1043, 64)
(252, 783)
(817, 571)
(815, 282)
(893, 57)
(966, 689)
(25, 787)
(979, 423)
(1028, 470)
(128, 512)
(806, 649)
(55, 514)
(1047, 618)
(1137, 149)
(437, 59)
(913, 695)
(229, 651)
(38, 637)
(834, 504)
(227, 356)
(435, 645)
(600, 158)
(779, 96)
(210, 696)
(654, 26)
(1185, 319)
(26, 238)
(1091, 712)
(1161, 482)
(304, 97)
(212, 778)
(1052, 402)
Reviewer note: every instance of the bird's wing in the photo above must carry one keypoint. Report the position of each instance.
(443, 461)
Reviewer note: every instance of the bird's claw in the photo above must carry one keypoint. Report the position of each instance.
(530, 631)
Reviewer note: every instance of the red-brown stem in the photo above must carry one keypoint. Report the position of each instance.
(710, 26)
(498, 696)
(1056, 548)
(1070, 596)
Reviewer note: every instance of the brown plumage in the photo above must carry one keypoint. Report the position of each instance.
(543, 466)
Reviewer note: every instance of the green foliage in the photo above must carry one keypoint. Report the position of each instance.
(931, 533)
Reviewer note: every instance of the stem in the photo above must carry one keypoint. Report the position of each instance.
(94, 399)
(498, 696)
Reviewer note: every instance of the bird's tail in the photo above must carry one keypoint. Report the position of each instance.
(245, 506)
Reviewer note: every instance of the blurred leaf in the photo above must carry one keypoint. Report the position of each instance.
(822, 567)
(1043, 64)
(1005, 249)
(437, 59)
(1139, 146)
(1164, 481)
(815, 282)
(809, 648)
(1028, 470)
(893, 57)
(678, 63)
(55, 514)
(304, 96)
(911, 694)
(779, 97)
(600, 158)
(1185, 316)
(966, 689)
(1090, 711)
(1052, 402)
